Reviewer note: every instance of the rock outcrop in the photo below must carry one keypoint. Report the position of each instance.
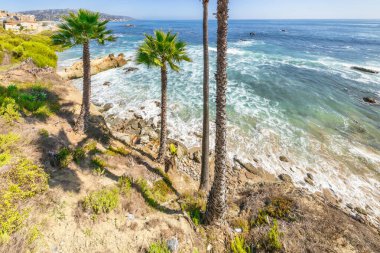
(365, 70)
(97, 66)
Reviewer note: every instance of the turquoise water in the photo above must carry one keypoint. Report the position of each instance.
(289, 93)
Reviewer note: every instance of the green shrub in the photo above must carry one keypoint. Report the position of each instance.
(97, 162)
(5, 158)
(195, 206)
(240, 223)
(102, 201)
(79, 155)
(238, 245)
(161, 190)
(64, 157)
(158, 247)
(273, 242)
(7, 141)
(147, 193)
(37, 47)
(32, 100)
(23, 180)
(277, 208)
(43, 133)
(125, 185)
(173, 149)
(9, 110)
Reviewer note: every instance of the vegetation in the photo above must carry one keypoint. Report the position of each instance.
(161, 50)
(64, 157)
(173, 149)
(161, 190)
(43, 133)
(195, 207)
(240, 223)
(22, 181)
(79, 154)
(102, 201)
(238, 245)
(158, 247)
(23, 46)
(125, 185)
(29, 99)
(80, 29)
(271, 241)
(216, 205)
(278, 208)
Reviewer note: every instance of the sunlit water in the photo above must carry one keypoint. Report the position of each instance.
(289, 93)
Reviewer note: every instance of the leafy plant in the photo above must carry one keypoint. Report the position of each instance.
(195, 206)
(161, 190)
(9, 110)
(43, 132)
(158, 247)
(173, 149)
(102, 201)
(273, 242)
(78, 155)
(64, 157)
(238, 245)
(125, 185)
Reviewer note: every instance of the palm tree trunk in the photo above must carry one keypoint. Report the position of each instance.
(83, 120)
(206, 121)
(216, 204)
(163, 136)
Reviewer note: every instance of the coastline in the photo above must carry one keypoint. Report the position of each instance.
(318, 215)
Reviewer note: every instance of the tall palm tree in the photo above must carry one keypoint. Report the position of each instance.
(216, 204)
(80, 29)
(161, 50)
(206, 121)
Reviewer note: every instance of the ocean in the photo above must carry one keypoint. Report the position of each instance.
(290, 93)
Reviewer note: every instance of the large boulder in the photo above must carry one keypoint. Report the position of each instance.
(365, 70)
(97, 66)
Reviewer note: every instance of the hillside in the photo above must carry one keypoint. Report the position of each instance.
(56, 14)
(103, 191)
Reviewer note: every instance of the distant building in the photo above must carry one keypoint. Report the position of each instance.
(27, 23)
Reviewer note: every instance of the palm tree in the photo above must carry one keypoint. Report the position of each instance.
(216, 204)
(206, 121)
(161, 50)
(80, 29)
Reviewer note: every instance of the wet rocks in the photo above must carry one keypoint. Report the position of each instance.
(361, 211)
(106, 107)
(369, 100)
(309, 175)
(284, 159)
(365, 70)
(107, 83)
(285, 178)
(98, 65)
(309, 181)
(130, 69)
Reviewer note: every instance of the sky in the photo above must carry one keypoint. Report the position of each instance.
(192, 9)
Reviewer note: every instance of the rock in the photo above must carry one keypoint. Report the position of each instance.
(150, 132)
(195, 154)
(350, 206)
(97, 66)
(173, 244)
(130, 216)
(209, 248)
(309, 181)
(107, 83)
(365, 70)
(286, 178)
(361, 211)
(144, 139)
(369, 100)
(238, 230)
(130, 69)
(309, 175)
(284, 159)
(106, 107)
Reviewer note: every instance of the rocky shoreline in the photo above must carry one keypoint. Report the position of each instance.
(143, 135)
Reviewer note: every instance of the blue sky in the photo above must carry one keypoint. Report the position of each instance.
(191, 9)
